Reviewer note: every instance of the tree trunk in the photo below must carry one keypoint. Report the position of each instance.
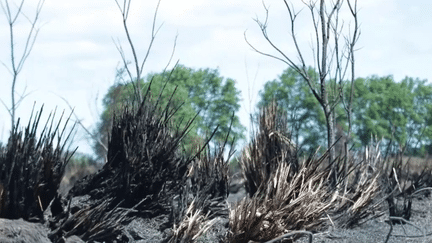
(331, 141)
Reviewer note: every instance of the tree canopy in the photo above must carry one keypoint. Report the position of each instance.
(398, 112)
(201, 91)
(305, 117)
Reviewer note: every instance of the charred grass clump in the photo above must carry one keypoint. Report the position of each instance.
(32, 168)
(288, 196)
(144, 166)
(204, 200)
(359, 191)
(404, 180)
(148, 175)
(144, 171)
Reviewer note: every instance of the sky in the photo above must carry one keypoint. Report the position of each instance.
(75, 57)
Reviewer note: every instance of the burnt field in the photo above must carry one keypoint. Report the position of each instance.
(150, 190)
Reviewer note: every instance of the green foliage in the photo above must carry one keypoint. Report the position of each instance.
(193, 91)
(305, 116)
(81, 160)
(397, 111)
(400, 112)
(234, 166)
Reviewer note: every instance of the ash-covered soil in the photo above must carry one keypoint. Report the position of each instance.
(419, 228)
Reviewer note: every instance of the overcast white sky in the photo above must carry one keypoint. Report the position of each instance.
(74, 56)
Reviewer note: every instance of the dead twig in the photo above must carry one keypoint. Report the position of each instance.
(293, 233)
(423, 234)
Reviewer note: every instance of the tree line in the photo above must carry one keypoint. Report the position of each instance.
(202, 95)
(322, 104)
(398, 112)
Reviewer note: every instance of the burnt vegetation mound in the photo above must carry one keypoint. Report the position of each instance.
(147, 175)
(31, 168)
(291, 197)
(150, 189)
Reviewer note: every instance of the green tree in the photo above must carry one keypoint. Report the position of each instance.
(395, 111)
(400, 112)
(420, 126)
(305, 117)
(203, 91)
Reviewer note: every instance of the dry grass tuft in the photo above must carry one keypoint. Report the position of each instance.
(290, 201)
(270, 147)
(359, 188)
(204, 197)
(93, 223)
(287, 196)
(193, 225)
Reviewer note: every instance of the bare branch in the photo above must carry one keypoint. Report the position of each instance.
(16, 64)
(7, 108)
(138, 68)
(153, 36)
(172, 53)
(351, 44)
(302, 71)
(332, 60)
(123, 57)
(125, 13)
(32, 35)
(22, 96)
(7, 68)
(293, 16)
(93, 136)
(263, 27)
(126, 63)
(263, 53)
